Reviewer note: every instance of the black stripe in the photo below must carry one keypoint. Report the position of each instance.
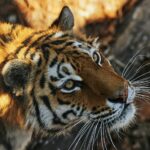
(39, 62)
(26, 41)
(58, 68)
(52, 89)
(34, 43)
(52, 78)
(32, 56)
(54, 61)
(73, 66)
(61, 102)
(69, 43)
(81, 112)
(42, 81)
(58, 42)
(37, 110)
(13, 27)
(46, 54)
(5, 38)
(58, 50)
(65, 115)
(49, 36)
(64, 35)
(46, 101)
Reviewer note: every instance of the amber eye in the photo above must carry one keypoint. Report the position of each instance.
(69, 84)
(97, 58)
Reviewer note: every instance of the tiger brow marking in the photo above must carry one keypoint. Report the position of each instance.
(26, 41)
(42, 37)
(58, 42)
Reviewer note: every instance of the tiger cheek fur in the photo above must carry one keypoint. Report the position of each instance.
(54, 78)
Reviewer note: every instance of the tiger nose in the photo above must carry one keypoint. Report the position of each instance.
(125, 95)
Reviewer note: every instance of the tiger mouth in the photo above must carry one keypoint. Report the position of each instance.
(123, 112)
(125, 118)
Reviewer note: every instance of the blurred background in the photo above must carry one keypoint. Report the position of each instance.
(123, 27)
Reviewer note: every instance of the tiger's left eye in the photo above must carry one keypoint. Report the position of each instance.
(97, 58)
(69, 84)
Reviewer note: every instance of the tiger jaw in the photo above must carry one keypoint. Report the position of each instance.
(127, 110)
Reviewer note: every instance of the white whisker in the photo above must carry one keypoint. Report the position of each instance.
(87, 135)
(103, 131)
(108, 131)
(90, 139)
(80, 134)
(102, 136)
(129, 65)
(138, 70)
(138, 77)
(94, 135)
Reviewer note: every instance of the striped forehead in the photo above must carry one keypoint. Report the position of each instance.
(80, 45)
(85, 48)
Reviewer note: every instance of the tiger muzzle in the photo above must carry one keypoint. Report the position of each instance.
(125, 95)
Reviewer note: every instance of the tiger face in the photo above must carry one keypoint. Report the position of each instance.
(62, 78)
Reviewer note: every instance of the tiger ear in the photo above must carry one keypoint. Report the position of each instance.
(16, 73)
(65, 21)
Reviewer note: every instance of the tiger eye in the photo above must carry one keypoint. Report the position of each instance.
(95, 57)
(69, 84)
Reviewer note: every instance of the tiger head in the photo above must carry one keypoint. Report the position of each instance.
(60, 78)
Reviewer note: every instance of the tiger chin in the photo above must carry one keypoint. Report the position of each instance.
(53, 79)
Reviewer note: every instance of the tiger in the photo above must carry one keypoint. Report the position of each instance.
(52, 79)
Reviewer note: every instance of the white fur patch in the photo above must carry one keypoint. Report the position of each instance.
(52, 71)
(45, 115)
(58, 34)
(126, 118)
(36, 57)
(123, 117)
(131, 94)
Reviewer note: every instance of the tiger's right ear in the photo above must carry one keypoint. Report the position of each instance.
(16, 73)
(65, 21)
